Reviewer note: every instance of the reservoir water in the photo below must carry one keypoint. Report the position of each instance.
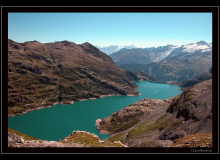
(55, 123)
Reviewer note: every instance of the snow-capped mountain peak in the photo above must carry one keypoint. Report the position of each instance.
(128, 46)
(201, 45)
(114, 48)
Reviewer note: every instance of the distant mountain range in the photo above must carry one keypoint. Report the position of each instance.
(168, 63)
(148, 55)
(114, 48)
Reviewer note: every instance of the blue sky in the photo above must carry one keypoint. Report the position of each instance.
(104, 29)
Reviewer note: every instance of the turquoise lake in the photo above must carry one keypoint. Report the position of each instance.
(55, 123)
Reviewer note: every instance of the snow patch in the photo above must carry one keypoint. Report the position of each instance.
(128, 46)
(190, 48)
(166, 53)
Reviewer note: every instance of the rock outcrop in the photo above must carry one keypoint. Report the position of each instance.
(156, 123)
(17, 141)
(130, 115)
(75, 139)
(198, 140)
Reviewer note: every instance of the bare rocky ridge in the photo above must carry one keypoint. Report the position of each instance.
(157, 123)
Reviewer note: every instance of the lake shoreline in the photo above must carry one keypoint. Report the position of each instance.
(68, 103)
(82, 116)
(71, 102)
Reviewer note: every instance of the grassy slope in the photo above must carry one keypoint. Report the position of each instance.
(24, 136)
(42, 74)
(83, 138)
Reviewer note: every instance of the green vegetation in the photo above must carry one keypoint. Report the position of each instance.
(177, 122)
(84, 138)
(160, 124)
(24, 136)
(117, 137)
(123, 127)
(164, 124)
(189, 95)
(89, 140)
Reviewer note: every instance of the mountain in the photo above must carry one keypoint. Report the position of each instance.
(183, 63)
(191, 49)
(114, 48)
(161, 123)
(203, 77)
(144, 76)
(41, 75)
(141, 55)
(148, 55)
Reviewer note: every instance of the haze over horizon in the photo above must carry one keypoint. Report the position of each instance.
(105, 29)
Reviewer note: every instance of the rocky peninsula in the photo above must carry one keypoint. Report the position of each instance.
(156, 123)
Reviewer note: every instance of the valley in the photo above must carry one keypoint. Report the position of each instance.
(54, 123)
(53, 74)
(184, 120)
(167, 63)
(110, 79)
(41, 75)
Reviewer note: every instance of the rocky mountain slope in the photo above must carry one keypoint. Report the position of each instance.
(144, 76)
(141, 55)
(179, 66)
(156, 123)
(40, 75)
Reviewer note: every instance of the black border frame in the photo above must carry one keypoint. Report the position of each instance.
(4, 60)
